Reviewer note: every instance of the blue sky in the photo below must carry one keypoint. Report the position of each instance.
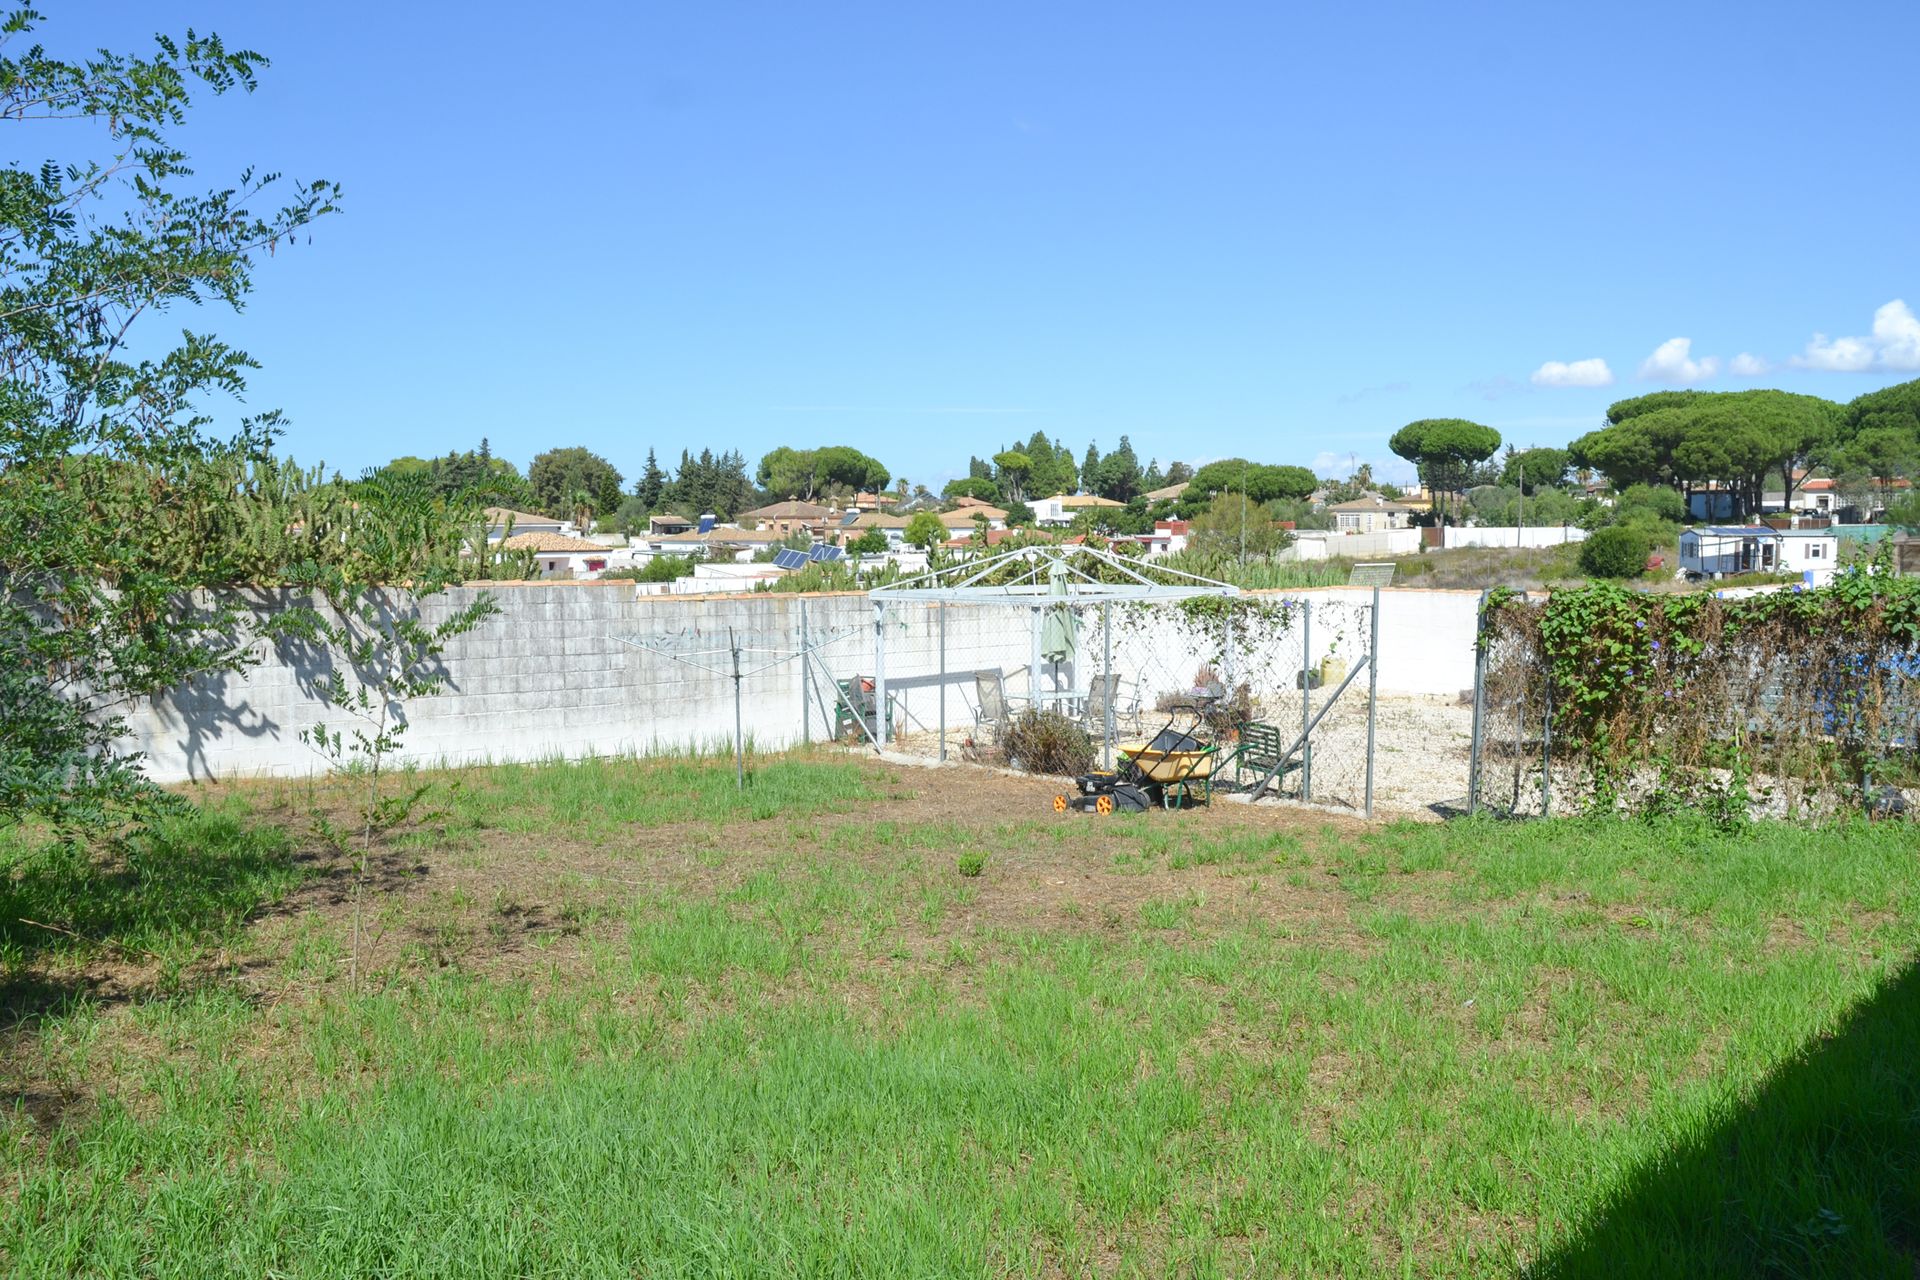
(1274, 230)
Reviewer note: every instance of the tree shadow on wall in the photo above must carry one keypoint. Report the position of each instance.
(1817, 1175)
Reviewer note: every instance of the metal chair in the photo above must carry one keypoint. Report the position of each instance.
(991, 710)
(1108, 691)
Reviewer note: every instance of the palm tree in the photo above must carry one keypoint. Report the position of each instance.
(580, 507)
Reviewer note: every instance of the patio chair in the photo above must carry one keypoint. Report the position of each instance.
(991, 710)
(1258, 751)
(1110, 691)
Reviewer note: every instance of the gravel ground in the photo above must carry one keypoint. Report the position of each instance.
(1420, 756)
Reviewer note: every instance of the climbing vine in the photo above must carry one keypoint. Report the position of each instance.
(1789, 700)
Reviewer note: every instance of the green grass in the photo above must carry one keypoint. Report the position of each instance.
(1149, 1046)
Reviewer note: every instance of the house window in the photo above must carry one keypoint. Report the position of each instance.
(1816, 552)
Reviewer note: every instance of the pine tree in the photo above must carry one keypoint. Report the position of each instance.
(1154, 479)
(1091, 466)
(651, 488)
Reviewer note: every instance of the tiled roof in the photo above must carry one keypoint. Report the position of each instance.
(789, 510)
(500, 515)
(541, 541)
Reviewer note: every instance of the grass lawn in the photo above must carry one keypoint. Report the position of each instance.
(617, 1020)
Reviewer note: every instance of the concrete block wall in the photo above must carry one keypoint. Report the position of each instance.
(550, 676)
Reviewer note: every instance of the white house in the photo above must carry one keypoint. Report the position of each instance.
(1714, 551)
(1059, 510)
(560, 556)
(1370, 514)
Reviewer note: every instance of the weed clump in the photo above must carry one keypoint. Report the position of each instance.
(972, 864)
(1048, 742)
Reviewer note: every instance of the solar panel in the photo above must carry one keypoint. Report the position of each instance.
(1371, 575)
(825, 552)
(788, 558)
(707, 523)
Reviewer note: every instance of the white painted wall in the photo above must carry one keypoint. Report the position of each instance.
(549, 677)
(1497, 536)
(1324, 544)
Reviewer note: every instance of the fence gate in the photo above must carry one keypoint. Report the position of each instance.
(1511, 762)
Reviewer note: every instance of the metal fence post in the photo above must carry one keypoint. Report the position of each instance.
(1373, 689)
(943, 680)
(1479, 704)
(1109, 686)
(1546, 750)
(806, 684)
(880, 716)
(1306, 700)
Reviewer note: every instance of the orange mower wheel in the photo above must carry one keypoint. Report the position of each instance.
(1103, 805)
(1059, 804)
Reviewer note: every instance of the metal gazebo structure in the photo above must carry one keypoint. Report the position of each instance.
(1112, 643)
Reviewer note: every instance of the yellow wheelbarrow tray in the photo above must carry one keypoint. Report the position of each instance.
(1155, 765)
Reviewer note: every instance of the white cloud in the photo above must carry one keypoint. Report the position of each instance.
(1577, 373)
(1893, 345)
(1671, 361)
(1747, 365)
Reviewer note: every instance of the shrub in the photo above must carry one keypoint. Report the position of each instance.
(1619, 551)
(1048, 742)
(972, 864)
(658, 569)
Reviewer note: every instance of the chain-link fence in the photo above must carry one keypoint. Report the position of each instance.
(1280, 688)
(1804, 707)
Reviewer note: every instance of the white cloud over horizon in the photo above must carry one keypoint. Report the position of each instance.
(1894, 345)
(1748, 365)
(1672, 362)
(1330, 464)
(1575, 373)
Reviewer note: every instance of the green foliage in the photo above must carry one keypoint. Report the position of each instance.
(1445, 450)
(658, 569)
(559, 474)
(1617, 551)
(1640, 503)
(972, 863)
(871, 542)
(809, 473)
(1534, 469)
(1905, 513)
(1116, 476)
(711, 482)
(1505, 506)
(1258, 482)
(1019, 515)
(925, 531)
(1673, 700)
(1012, 470)
(1734, 439)
(1233, 525)
(109, 472)
(973, 487)
(474, 475)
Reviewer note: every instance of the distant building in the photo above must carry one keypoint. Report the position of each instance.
(1370, 514)
(1717, 551)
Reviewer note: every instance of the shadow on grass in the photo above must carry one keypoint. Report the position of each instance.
(156, 897)
(1817, 1175)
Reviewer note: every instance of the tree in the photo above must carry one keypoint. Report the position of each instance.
(580, 510)
(1155, 479)
(979, 469)
(1178, 473)
(1012, 470)
(972, 487)
(808, 473)
(1090, 465)
(925, 531)
(557, 474)
(1258, 482)
(1531, 470)
(1618, 551)
(1885, 453)
(1019, 516)
(1116, 476)
(1445, 450)
(651, 488)
(871, 542)
(1728, 440)
(1235, 524)
(105, 445)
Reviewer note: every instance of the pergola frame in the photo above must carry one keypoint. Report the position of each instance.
(1050, 577)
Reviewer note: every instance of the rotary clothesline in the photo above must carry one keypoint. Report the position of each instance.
(726, 660)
